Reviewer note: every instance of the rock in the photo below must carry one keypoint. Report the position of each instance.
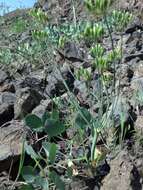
(136, 99)
(133, 56)
(82, 94)
(136, 24)
(51, 7)
(125, 73)
(26, 100)
(35, 80)
(7, 97)
(124, 4)
(138, 69)
(80, 89)
(137, 84)
(45, 105)
(3, 76)
(11, 141)
(7, 100)
(7, 87)
(25, 36)
(139, 125)
(133, 46)
(125, 171)
(121, 117)
(6, 113)
(72, 52)
(120, 172)
(55, 86)
(118, 107)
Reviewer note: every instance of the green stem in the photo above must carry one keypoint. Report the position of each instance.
(113, 48)
(93, 144)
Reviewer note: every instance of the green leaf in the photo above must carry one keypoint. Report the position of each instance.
(55, 115)
(28, 174)
(54, 128)
(45, 116)
(83, 118)
(27, 187)
(50, 149)
(57, 180)
(42, 182)
(30, 151)
(33, 121)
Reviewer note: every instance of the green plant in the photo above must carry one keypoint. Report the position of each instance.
(19, 26)
(46, 35)
(120, 19)
(93, 32)
(40, 16)
(5, 56)
(42, 173)
(84, 74)
(103, 59)
(98, 6)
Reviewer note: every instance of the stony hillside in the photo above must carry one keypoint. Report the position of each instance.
(39, 77)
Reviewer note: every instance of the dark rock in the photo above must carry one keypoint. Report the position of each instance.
(56, 86)
(35, 80)
(72, 52)
(133, 56)
(134, 25)
(6, 113)
(7, 87)
(7, 101)
(3, 76)
(26, 100)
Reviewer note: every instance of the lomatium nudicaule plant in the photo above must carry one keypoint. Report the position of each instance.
(42, 173)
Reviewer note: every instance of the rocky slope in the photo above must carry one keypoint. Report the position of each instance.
(25, 90)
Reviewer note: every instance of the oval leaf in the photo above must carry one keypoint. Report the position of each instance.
(33, 121)
(50, 149)
(28, 174)
(54, 128)
(27, 187)
(42, 182)
(30, 151)
(57, 180)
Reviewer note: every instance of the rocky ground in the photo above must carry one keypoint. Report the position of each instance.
(26, 90)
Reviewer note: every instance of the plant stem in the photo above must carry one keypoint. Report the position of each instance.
(113, 48)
